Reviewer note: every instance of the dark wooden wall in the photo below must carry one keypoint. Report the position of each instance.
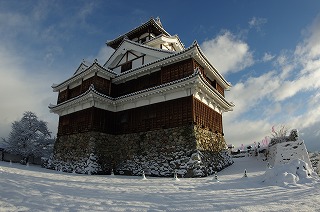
(141, 83)
(169, 114)
(91, 119)
(205, 116)
(177, 71)
(100, 84)
(166, 74)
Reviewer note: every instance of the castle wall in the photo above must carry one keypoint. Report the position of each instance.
(191, 150)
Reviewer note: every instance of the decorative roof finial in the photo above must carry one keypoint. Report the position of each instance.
(96, 60)
(158, 21)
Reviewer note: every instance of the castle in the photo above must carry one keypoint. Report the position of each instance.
(154, 105)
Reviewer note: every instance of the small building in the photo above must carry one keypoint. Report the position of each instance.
(154, 105)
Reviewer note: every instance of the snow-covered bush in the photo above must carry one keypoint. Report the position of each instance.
(29, 137)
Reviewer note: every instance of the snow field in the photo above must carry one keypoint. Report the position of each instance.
(35, 189)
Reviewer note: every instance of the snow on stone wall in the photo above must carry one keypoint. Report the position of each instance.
(86, 165)
(315, 158)
(191, 151)
(283, 153)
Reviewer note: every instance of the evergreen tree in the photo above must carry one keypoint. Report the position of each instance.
(29, 137)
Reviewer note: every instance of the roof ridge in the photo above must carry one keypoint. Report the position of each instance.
(150, 21)
(75, 75)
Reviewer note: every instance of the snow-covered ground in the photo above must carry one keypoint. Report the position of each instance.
(32, 188)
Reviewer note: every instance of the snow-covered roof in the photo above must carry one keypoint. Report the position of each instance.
(156, 24)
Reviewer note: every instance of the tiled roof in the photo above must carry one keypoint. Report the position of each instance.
(152, 22)
(77, 76)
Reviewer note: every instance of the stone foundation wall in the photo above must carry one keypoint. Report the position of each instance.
(190, 150)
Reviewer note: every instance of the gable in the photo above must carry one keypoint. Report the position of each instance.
(82, 67)
(131, 55)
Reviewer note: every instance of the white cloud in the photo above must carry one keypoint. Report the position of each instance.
(227, 53)
(267, 57)
(271, 111)
(86, 10)
(23, 90)
(296, 72)
(310, 47)
(304, 83)
(104, 53)
(257, 23)
(102, 56)
(41, 9)
(249, 93)
(246, 131)
(306, 61)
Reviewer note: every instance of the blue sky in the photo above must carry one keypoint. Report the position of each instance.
(268, 50)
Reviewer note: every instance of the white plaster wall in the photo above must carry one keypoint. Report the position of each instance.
(137, 63)
(142, 102)
(117, 70)
(89, 76)
(175, 95)
(129, 105)
(148, 59)
(131, 56)
(157, 99)
(74, 84)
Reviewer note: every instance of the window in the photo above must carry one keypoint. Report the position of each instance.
(126, 66)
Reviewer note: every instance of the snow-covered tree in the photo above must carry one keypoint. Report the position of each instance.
(29, 137)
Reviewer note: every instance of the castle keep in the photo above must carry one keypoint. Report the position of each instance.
(154, 105)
